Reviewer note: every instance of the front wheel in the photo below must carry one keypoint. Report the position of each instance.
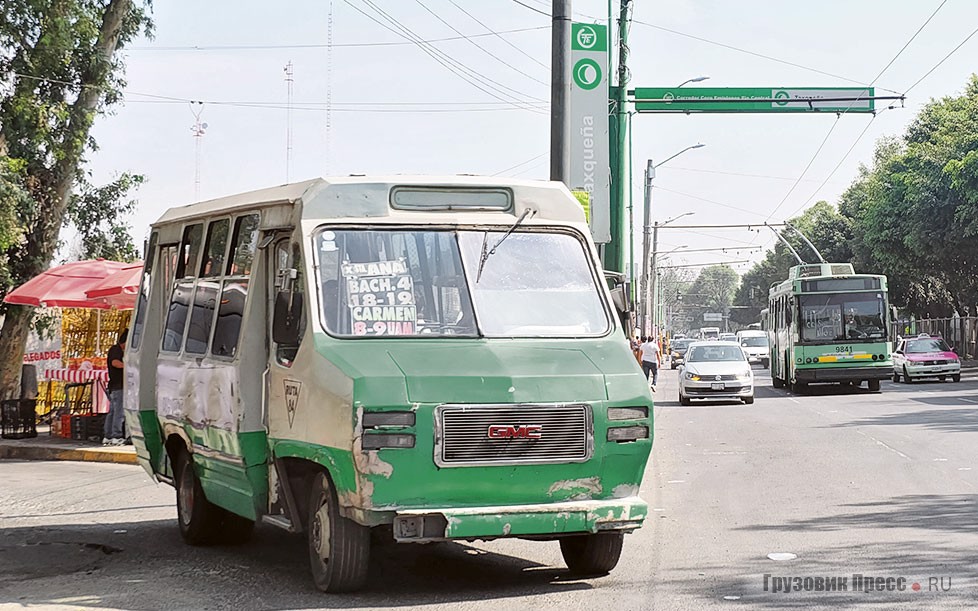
(592, 554)
(684, 400)
(339, 548)
(906, 375)
(874, 385)
(956, 377)
(748, 400)
(198, 518)
(896, 377)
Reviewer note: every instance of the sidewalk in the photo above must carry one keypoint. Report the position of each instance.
(48, 447)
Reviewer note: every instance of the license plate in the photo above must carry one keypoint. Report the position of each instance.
(718, 386)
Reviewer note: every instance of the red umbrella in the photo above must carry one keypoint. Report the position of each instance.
(64, 286)
(119, 289)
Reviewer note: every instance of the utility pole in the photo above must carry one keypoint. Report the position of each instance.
(653, 278)
(560, 91)
(614, 252)
(646, 229)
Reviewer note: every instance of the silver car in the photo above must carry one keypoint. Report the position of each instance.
(716, 370)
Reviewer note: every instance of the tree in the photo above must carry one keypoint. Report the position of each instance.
(58, 71)
(915, 211)
(714, 289)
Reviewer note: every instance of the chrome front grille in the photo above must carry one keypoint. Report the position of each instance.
(512, 434)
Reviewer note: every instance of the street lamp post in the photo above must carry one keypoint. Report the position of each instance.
(698, 79)
(652, 278)
(647, 234)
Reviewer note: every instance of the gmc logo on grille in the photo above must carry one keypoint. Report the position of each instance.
(522, 431)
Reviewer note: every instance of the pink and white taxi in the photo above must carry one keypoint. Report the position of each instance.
(925, 357)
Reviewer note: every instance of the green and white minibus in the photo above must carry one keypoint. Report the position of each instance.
(826, 323)
(431, 359)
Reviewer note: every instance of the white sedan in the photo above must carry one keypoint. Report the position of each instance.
(716, 370)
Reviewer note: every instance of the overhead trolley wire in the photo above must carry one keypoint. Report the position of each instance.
(336, 45)
(469, 75)
(497, 35)
(482, 48)
(938, 64)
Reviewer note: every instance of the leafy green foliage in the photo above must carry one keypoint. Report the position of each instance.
(58, 71)
(98, 214)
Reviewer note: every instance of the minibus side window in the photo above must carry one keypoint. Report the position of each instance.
(243, 245)
(217, 241)
(202, 316)
(176, 317)
(190, 250)
(229, 316)
(144, 286)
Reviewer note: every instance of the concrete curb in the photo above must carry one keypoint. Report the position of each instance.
(25, 450)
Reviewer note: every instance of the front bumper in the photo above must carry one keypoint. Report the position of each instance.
(925, 371)
(539, 521)
(843, 374)
(705, 390)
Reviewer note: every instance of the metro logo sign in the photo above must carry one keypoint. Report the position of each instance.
(520, 431)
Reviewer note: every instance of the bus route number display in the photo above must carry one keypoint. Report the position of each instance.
(380, 296)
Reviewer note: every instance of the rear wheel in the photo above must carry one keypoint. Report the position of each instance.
(874, 385)
(198, 518)
(592, 554)
(339, 548)
(765, 363)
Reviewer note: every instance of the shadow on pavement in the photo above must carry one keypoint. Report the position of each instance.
(145, 565)
(919, 561)
(958, 420)
(929, 512)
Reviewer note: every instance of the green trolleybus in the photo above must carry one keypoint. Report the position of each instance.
(412, 358)
(826, 323)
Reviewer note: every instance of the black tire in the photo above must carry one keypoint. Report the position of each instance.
(594, 554)
(199, 519)
(684, 400)
(342, 567)
(672, 365)
(765, 363)
(777, 382)
(874, 385)
(941, 378)
(906, 376)
(896, 377)
(748, 400)
(956, 377)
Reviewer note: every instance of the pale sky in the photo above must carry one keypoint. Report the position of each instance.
(231, 55)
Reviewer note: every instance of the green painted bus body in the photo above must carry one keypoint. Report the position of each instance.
(836, 359)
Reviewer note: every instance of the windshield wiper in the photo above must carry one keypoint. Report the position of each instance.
(485, 238)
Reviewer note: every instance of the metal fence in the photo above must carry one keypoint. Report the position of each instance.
(961, 332)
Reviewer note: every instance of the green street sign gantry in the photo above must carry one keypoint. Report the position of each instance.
(756, 99)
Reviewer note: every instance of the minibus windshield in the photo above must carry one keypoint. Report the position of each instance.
(417, 283)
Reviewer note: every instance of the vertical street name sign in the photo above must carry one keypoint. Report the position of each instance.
(589, 146)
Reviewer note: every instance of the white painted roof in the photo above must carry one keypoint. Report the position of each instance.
(347, 195)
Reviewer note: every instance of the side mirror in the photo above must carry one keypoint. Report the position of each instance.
(287, 318)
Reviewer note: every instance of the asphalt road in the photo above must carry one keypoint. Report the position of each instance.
(849, 482)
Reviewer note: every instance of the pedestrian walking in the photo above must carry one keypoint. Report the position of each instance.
(651, 358)
(114, 430)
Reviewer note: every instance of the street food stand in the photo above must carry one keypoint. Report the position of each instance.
(94, 299)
